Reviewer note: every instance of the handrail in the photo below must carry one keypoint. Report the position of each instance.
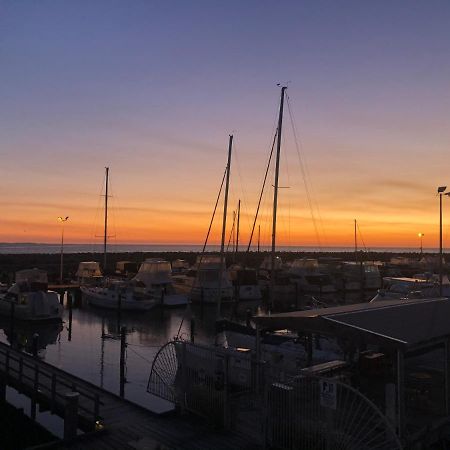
(14, 363)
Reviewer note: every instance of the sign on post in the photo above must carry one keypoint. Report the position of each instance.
(328, 393)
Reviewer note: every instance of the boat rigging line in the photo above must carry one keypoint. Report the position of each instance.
(305, 176)
(205, 243)
(262, 191)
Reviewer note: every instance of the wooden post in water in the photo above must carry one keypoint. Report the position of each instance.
(119, 311)
(71, 415)
(12, 323)
(123, 345)
(69, 301)
(202, 301)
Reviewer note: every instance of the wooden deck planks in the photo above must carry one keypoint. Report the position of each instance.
(125, 423)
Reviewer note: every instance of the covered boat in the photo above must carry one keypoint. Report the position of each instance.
(29, 298)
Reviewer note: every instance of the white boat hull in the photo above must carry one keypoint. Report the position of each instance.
(95, 298)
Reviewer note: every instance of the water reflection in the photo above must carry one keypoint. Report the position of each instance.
(87, 344)
(30, 337)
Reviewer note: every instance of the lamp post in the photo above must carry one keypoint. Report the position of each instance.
(63, 220)
(441, 191)
(421, 235)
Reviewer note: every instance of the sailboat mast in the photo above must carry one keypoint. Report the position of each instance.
(105, 236)
(275, 196)
(224, 226)
(356, 243)
(225, 203)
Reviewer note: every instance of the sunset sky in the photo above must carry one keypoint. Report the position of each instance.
(152, 89)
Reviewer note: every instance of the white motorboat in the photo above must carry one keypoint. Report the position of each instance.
(30, 298)
(119, 294)
(245, 282)
(88, 273)
(156, 275)
(306, 273)
(412, 288)
(210, 282)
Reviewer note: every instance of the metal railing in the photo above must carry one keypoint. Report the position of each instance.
(231, 390)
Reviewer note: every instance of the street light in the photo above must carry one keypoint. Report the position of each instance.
(441, 191)
(421, 235)
(63, 220)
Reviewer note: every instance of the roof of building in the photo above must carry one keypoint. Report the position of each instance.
(397, 323)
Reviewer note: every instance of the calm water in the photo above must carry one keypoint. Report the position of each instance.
(80, 349)
(26, 248)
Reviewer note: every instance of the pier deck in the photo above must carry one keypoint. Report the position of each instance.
(125, 424)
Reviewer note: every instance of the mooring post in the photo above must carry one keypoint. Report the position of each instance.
(161, 309)
(192, 328)
(35, 344)
(123, 344)
(119, 311)
(71, 415)
(69, 301)
(296, 295)
(12, 323)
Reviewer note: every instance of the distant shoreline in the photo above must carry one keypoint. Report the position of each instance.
(18, 248)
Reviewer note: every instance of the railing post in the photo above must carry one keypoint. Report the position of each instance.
(97, 407)
(20, 369)
(7, 363)
(2, 388)
(35, 392)
(71, 415)
(53, 398)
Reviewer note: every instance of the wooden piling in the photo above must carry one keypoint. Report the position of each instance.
(71, 415)
(123, 344)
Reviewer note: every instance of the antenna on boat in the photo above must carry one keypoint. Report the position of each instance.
(356, 243)
(275, 195)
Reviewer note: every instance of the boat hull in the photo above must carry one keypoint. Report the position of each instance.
(103, 301)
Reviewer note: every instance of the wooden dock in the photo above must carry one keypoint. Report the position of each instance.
(110, 422)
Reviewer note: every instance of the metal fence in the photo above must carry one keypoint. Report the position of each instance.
(230, 390)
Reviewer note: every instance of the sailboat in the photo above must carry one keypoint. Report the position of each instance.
(211, 283)
(286, 350)
(115, 294)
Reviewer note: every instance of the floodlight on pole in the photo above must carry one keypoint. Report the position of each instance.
(62, 220)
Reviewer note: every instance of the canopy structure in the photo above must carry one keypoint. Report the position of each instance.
(400, 324)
